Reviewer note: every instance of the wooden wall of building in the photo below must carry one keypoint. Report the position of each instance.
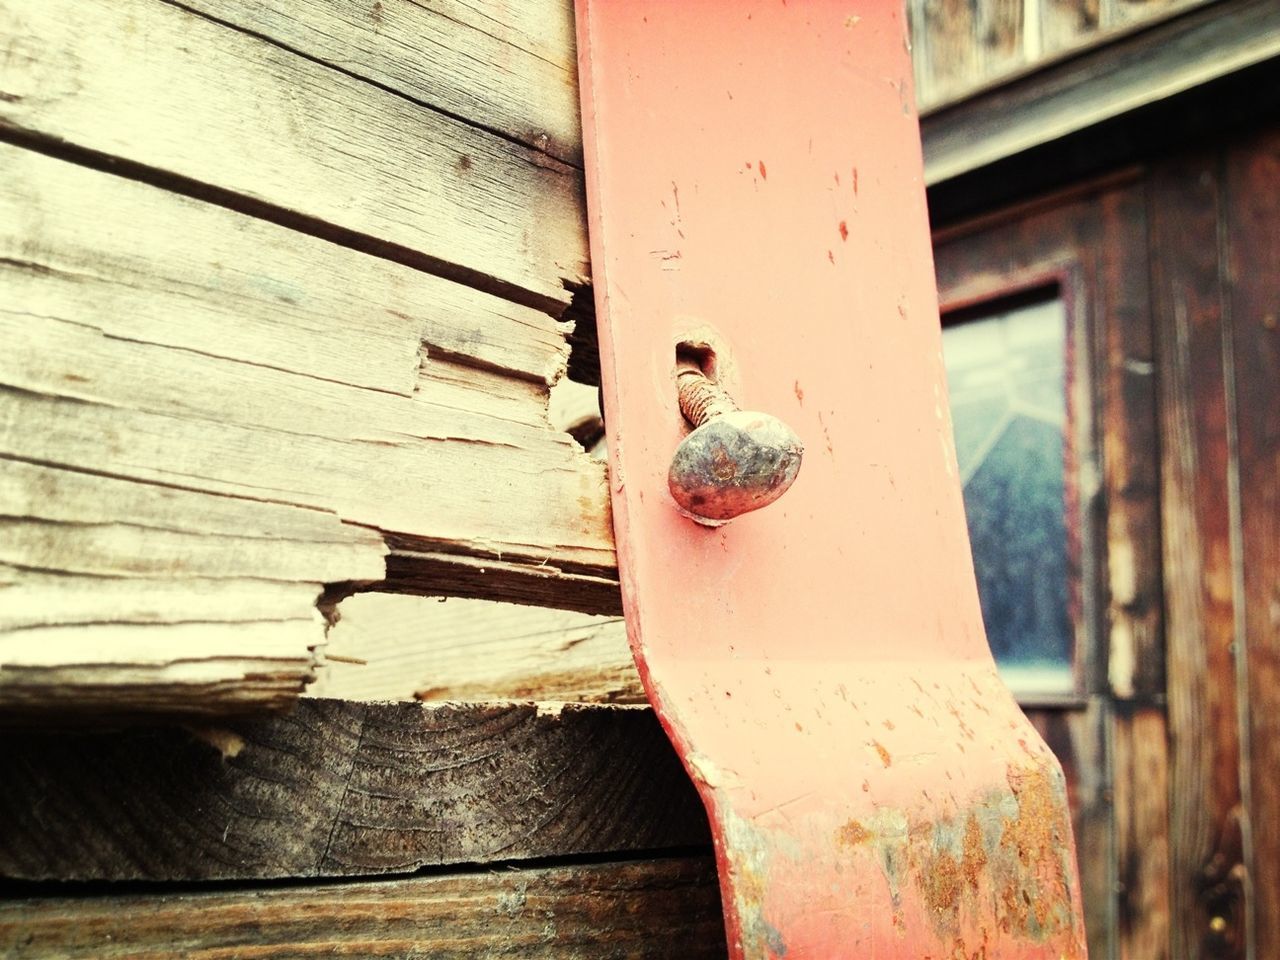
(961, 46)
(285, 291)
(285, 287)
(1172, 272)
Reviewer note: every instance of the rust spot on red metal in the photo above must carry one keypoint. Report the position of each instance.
(1034, 838)
(975, 855)
(764, 174)
(1003, 857)
(940, 885)
(853, 834)
(844, 230)
(885, 758)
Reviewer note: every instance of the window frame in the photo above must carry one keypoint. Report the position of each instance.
(987, 296)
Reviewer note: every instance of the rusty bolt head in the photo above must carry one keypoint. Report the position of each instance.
(732, 464)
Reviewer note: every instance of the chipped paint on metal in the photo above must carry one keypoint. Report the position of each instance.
(1003, 860)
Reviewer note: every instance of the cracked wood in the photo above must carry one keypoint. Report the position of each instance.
(187, 391)
(342, 789)
(180, 94)
(511, 68)
(411, 647)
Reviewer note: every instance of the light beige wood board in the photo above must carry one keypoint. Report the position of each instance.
(179, 94)
(205, 418)
(508, 67)
(136, 597)
(401, 648)
(962, 49)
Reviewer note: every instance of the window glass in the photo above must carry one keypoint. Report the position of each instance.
(1007, 379)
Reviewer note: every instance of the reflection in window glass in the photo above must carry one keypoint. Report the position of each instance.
(1007, 380)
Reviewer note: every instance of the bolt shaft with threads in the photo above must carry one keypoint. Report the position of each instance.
(700, 397)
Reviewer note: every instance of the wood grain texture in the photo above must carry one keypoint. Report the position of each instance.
(658, 909)
(1141, 755)
(193, 397)
(1001, 42)
(1124, 403)
(341, 789)
(132, 597)
(1067, 23)
(944, 48)
(416, 648)
(510, 68)
(1200, 600)
(1252, 210)
(1101, 82)
(1118, 14)
(174, 92)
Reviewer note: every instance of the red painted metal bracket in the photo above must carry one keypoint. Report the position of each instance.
(755, 188)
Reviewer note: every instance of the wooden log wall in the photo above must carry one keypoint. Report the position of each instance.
(339, 789)
(284, 288)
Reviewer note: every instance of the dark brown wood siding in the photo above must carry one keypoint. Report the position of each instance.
(1175, 271)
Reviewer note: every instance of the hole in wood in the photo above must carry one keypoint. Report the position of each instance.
(575, 408)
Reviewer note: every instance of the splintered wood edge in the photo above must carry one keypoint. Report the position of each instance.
(387, 647)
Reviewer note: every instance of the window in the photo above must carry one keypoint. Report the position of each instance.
(1007, 374)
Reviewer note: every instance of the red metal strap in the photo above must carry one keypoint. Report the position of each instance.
(755, 187)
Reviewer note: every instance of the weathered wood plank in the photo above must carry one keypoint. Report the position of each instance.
(1105, 81)
(1118, 14)
(944, 49)
(511, 67)
(245, 116)
(413, 647)
(140, 597)
(1252, 211)
(1124, 378)
(121, 297)
(1141, 792)
(341, 789)
(656, 909)
(1066, 23)
(1206, 854)
(1001, 42)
